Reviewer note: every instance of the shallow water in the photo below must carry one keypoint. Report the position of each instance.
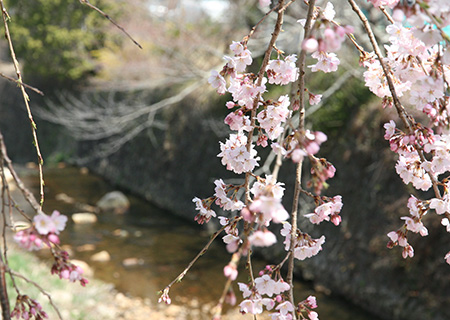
(157, 246)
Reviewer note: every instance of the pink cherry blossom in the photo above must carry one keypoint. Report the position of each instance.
(447, 257)
(282, 72)
(251, 306)
(235, 155)
(285, 308)
(205, 213)
(265, 3)
(223, 200)
(230, 271)
(310, 45)
(271, 209)
(327, 62)
(271, 118)
(246, 292)
(268, 186)
(59, 221)
(217, 82)
(388, 3)
(44, 224)
(265, 285)
(262, 238)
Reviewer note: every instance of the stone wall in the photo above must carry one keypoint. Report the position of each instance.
(355, 262)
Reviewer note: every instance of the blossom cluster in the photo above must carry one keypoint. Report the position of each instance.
(66, 269)
(418, 67)
(325, 39)
(305, 246)
(45, 230)
(27, 308)
(327, 211)
(254, 300)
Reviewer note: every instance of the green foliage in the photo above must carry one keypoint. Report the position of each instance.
(338, 111)
(54, 39)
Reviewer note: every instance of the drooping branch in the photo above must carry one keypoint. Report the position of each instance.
(26, 99)
(87, 3)
(300, 95)
(407, 120)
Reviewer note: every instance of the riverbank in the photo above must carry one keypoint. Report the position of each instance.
(98, 300)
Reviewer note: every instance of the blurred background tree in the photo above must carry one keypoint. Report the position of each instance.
(54, 39)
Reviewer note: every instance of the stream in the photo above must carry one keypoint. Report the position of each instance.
(149, 247)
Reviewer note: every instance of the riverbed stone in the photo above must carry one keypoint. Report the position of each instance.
(84, 218)
(64, 198)
(132, 262)
(102, 256)
(114, 201)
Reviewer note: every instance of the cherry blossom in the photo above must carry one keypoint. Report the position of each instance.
(29, 239)
(327, 62)
(230, 271)
(238, 121)
(388, 3)
(268, 186)
(262, 238)
(265, 285)
(271, 118)
(271, 208)
(305, 246)
(205, 213)
(327, 211)
(66, 269)
(222, 198)
(285, 308)
(217, 82)
(282, 72)
(235, 155)
(265, 3)
(165, 297)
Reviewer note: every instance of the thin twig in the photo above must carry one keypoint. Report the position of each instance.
(24, 84)
(252, 31)
(301, 64)
(388, 16)
(235, 258)
(87, 3)
(202, 252)
(260, 76)
(26, 99)
(4, 301)
(16, 274)
(26, 193)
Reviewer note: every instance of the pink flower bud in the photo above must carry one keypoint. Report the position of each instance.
(53, 238)
(340, 31)
(230, 272)
(336, 219)
(329, 34)
(310, 45)
(65, 274)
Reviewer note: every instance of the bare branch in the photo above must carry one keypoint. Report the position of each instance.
(24, 84)
(87, 3)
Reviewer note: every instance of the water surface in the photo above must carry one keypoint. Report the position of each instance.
(149, 247)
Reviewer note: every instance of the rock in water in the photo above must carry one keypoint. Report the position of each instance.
(84, 218)
(102, 256)
(114, 201)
